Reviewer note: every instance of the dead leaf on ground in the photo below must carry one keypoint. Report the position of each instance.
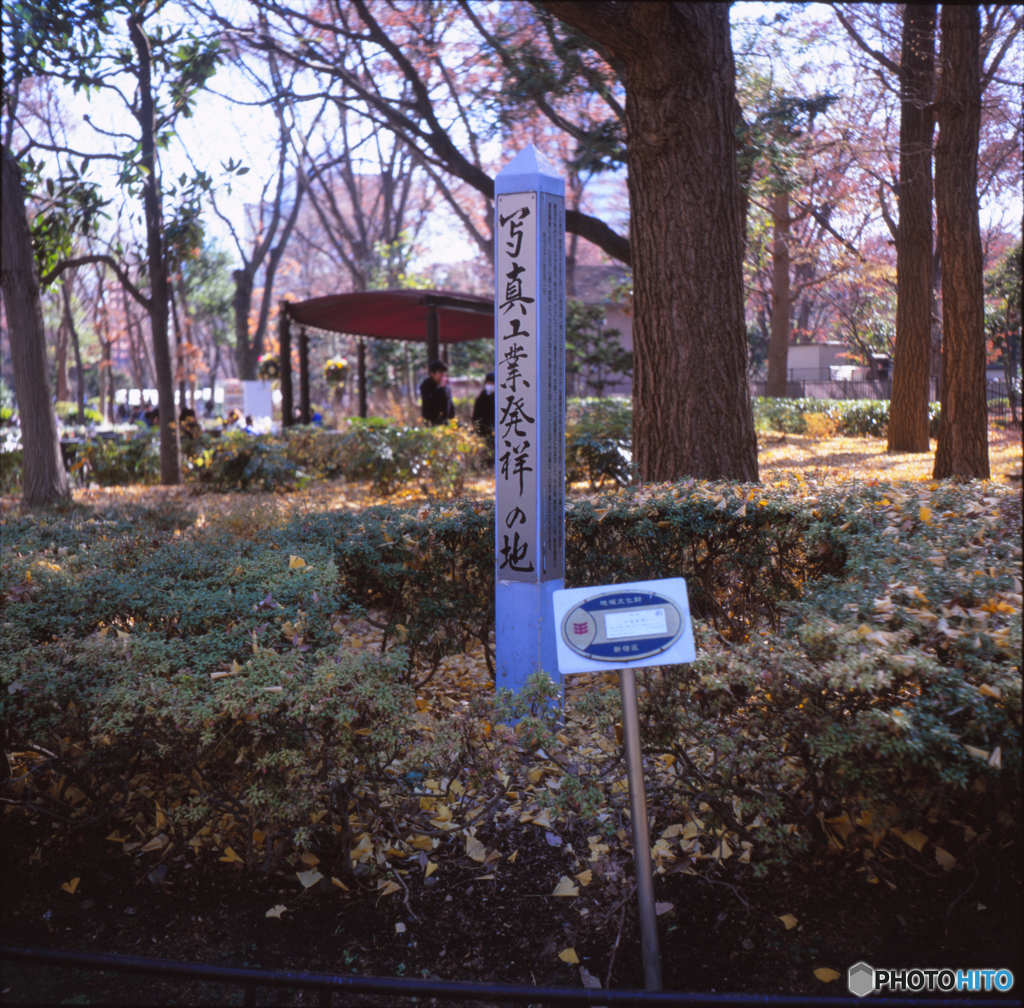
(308, 878)
(826, 975)
(569, 956)
(277, 911)
(789, 920)
(565, 887)
(70, 887)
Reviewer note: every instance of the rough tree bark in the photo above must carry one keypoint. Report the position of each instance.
(45, 480)
(691, 396)
(778, 342)
(159, 294)
(908, 414)
(69, 325)
(963, 426)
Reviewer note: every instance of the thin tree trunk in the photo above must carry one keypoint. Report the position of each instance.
(778, 343)
(247, 352)
(908, 411)
(63, 389)
(69, 322)
(963, 426)
(692, 409)
(170, 443)
(45, 480)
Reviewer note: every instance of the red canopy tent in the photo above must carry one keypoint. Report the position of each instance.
(433, 316)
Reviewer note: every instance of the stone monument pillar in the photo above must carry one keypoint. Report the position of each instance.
(529, 343)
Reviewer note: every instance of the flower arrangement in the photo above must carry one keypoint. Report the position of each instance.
(336, 371)
(269, 367)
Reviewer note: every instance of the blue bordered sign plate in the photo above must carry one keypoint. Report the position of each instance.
(641, 623)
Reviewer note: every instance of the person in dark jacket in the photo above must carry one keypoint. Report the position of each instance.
(483, 408)
(483, 415)
(436, 397)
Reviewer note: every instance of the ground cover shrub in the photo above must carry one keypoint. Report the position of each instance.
(858, 684)
(114, 462)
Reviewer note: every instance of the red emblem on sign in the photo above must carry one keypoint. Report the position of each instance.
(580, 628)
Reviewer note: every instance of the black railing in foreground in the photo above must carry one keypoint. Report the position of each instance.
(326, 984)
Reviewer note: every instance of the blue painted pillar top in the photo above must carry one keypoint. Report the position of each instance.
(529, 341)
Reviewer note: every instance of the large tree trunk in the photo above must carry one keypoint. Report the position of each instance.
(778, 343)
(963, 427)
(170, 443)
(247, 352)
(691, 396)
(45, 480)
(908, 412)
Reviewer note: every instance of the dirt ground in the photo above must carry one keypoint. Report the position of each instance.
(723, 931)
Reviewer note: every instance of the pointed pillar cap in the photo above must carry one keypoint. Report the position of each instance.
(529, 171)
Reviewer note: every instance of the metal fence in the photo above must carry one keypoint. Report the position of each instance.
(327, 984)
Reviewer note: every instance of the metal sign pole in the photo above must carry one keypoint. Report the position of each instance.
(641, 834)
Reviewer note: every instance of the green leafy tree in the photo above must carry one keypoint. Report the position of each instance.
(157, 73)
(594, 353)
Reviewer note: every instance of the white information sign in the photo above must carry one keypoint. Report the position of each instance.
(626, 625)
(635, 623)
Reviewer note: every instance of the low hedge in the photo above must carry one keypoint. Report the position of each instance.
(859, 673)
(856, 417)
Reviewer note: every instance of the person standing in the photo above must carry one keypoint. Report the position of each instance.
(483, 409)
(435, 396)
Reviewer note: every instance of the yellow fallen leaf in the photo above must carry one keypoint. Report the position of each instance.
(826, 975)
(387, 888)
(308, 878)
(430, 869)
(122, 635)
(310, 859)
(543, 819)
(992, 691)
(230, 856)
(980, 753)
(159, 842)
(277, 911)
(565, 887)
(926, 515)
(585, 877)
(340, 884)
(116, 837)
(945, 859)
(672, 831)
(295, 561)
(789, 920)
(914, 838)
(476, 850)
(512, 857)
(569, 956)
(70, 887)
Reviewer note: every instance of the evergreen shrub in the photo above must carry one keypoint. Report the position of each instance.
(858, 671)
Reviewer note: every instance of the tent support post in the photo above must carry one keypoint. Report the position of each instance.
(362, 377)
(284, 335)
(433, 335)
(304, 416)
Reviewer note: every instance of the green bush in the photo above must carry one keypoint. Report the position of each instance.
(11, 465)
(858, 670)
(67, 413)
(863, 417)
(599, 441)
(113, 462)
